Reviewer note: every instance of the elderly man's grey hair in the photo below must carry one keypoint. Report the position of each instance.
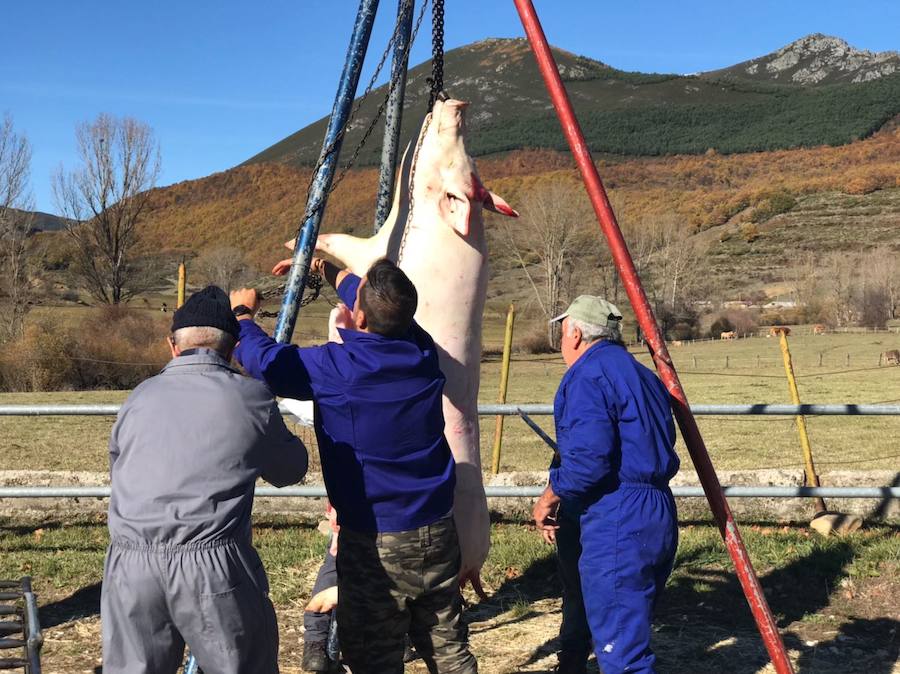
(591, 332)
(205, 338)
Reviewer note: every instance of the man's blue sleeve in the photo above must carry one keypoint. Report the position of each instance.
(286, 369)
(348, 288)
(590, 440)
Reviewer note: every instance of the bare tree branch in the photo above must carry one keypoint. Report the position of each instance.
(104, 201)
(549, 242)
(16, 221)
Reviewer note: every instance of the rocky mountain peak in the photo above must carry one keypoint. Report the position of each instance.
(822, 58)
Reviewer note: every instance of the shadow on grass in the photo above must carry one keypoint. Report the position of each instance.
(538, 581)
(703, 622)
(83, 603)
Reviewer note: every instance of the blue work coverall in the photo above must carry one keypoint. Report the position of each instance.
(616, 436)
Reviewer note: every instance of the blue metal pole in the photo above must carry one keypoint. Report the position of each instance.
(393, 115)
(327, 164)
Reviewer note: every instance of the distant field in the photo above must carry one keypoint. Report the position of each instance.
(754, 375)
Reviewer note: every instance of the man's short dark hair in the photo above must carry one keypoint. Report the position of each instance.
(389, 299)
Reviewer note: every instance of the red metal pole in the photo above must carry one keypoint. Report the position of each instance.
(625, 265)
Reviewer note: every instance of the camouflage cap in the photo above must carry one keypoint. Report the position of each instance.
(594, 310)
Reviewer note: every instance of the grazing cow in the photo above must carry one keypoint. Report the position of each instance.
(891, 357)
(728, 335)
(677, 342)
(819, 329)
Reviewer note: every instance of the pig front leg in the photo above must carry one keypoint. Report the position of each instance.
(470, 511)
(354, 253)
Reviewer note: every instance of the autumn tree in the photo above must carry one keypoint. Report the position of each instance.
(15, 225)
(104, 201)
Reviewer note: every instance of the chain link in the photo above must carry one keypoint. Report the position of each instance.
(314, 282)
(378, 113)
(381, 107)
(437, 51)
(412, 185)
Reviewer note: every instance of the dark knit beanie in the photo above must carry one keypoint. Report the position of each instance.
(207, 308)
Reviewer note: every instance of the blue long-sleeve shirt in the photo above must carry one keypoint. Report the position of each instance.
(613, 425)
(378, 417)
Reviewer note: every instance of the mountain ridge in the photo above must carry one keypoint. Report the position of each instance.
(817, 58)
(642, 114)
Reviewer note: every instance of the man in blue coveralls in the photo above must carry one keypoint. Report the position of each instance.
(387, 467)
(616, 437)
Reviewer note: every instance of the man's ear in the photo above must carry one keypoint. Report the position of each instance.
(359, 317)
(577, 336)
(173, 347)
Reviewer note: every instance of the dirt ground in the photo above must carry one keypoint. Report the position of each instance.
(515, 631)
(831, 621)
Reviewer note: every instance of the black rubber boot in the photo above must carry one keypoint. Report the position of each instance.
(315, 659)
(572, 663)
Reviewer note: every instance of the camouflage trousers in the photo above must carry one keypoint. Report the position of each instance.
(391, 584)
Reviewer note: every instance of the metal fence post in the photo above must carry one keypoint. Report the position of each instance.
(504, 379)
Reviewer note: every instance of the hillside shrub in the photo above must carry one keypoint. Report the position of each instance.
(786, 316)
(749, 232)
(720, 325)
(723, 212)
(744, 321)
(112, 348)
(772, 203)
(536, 342)
(862, 185)
(875, 308)
(680, 323)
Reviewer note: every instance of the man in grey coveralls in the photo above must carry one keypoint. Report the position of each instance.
(185, 452)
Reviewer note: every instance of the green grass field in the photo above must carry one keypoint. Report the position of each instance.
(754, 374)
(831, 597)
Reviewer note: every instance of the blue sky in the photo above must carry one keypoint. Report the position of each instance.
(220, 81)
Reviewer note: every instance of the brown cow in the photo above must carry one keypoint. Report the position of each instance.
(775, 330)
(727, 335)
(891, 357)
(819, 329)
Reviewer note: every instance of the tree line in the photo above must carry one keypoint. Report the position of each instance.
(785, 118)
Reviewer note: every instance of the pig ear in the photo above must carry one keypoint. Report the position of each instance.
(457, 211)
(496, 203)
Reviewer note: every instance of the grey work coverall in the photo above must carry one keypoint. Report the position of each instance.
(185, 452)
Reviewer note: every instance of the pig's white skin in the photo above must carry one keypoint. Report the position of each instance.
(450, 272)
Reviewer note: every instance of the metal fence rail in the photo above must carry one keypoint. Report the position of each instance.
(499, 491)
(761, 409)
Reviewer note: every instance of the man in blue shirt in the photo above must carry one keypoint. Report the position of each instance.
(616, 442)
(387, 467)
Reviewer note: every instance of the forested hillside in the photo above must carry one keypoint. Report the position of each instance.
(785, 103)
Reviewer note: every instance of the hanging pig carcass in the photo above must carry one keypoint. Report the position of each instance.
(435, 232)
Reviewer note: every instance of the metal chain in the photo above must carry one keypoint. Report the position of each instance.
(313, 281)
(412, 184)
(381, 107)
(378, 113)
(437, 51)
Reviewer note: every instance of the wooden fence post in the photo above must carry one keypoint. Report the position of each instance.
(504, 379)
(182, 282)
